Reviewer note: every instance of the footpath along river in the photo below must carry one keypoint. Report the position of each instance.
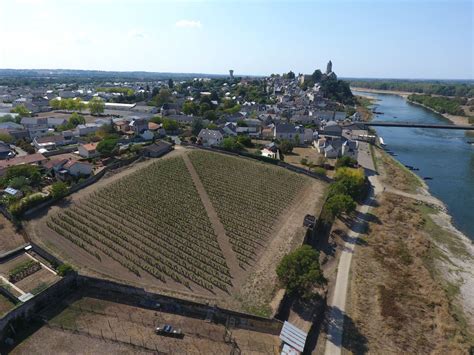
(443, 155)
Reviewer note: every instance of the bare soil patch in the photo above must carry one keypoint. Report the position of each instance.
(109, 327)
(9, 238)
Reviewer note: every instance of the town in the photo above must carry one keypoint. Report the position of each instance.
(70, 132)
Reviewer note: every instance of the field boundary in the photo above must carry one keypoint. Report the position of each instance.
(264, 160)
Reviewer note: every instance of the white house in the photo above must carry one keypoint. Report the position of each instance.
(210, 137)
(349, 149)
(88, 150)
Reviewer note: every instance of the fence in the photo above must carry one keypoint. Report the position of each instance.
(141, 297)
(89, 181)
(27, 310)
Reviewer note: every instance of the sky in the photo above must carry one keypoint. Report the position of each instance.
(417, 39)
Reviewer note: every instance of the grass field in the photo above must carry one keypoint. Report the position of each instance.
(193, 224)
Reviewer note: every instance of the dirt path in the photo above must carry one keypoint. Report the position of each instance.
(222, 238)
(337, 303)
(288, 234)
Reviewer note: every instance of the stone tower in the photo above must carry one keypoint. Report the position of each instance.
(231, 74)
(329, 67)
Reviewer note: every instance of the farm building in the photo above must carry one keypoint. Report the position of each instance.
(157, 149)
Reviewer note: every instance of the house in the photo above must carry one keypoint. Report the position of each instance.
(289, 132)
(32, 159)
(86, 129)
(210, 137)
(332, 130)
(54, 122)
(333, 148)
(268, 132)
(50, 142)
(271, 151)
(5, 151)
(88, 150)
(122, 126)
(138, 125)
(53, 166)
(157, 129)
(157, 149)
(350, 149)
(76, 168)
(230, 129)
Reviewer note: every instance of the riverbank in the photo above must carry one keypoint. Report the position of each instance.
(412, 284)
(456, 120)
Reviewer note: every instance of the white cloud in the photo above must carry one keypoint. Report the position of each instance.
(136, 34)
(188, 24)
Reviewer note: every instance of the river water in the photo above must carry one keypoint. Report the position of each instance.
(443, 155)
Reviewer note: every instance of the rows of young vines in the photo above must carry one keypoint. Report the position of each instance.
(248, 197)
(150, 221)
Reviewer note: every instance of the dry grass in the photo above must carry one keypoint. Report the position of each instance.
(9, 238)
(397, 304)
(394, 174)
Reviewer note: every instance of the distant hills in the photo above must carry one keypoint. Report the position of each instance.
(99, 74)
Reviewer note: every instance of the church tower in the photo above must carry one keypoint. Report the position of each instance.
(329, 67)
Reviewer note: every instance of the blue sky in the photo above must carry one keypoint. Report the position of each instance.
(363, 38)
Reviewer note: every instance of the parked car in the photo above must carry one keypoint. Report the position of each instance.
(168, 330)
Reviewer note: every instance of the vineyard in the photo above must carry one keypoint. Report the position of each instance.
(151, 221)
(248, 197)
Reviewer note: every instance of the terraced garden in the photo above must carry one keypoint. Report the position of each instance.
(248, 197)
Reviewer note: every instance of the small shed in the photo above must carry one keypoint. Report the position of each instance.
(294, 339)
(157, 149)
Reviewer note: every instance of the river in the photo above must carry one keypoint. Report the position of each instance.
(443, 155)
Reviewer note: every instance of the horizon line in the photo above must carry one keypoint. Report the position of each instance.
(241, 75)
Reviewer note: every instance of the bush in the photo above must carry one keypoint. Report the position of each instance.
(19, 207)
(346, 162)
(286, 146)
(300, 271)
(107, 147)
(65, 269)
(59, 189)
(319, 171)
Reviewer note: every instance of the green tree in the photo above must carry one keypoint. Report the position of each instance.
(196, 126)
(245, 141)
(170, 125)
(163, 97)
(75, 119)
(290, 75)
(59, 189)
(337, 205)
(5, 137)
(317, 76)
(21, 110)
(96, 106)
(190, 108)
(299, 271)
(107, 147)
(286, 146)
